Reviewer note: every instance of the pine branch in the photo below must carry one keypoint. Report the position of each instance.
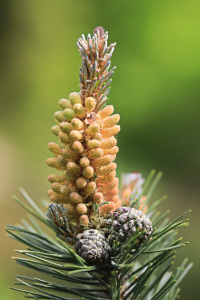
(96, 243)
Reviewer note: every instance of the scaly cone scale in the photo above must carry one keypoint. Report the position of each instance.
(87, 146)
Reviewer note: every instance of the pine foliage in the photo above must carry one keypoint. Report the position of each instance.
(132, 274)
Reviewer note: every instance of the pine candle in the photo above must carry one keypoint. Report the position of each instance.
(87, 144)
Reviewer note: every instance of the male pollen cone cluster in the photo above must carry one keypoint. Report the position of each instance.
(87, 145)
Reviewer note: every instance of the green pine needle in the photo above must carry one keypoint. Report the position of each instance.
(141, 274)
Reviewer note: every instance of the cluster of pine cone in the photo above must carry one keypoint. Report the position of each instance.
(97, 246)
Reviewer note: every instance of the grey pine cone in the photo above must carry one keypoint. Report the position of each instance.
(92, 246)
(58, 218)
(125, 221)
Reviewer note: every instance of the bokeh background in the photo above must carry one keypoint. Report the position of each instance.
(156, 89)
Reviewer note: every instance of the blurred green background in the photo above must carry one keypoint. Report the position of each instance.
(156, 89)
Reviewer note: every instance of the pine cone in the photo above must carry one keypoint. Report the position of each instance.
(91, 245)
(87, 146)
(58, 218)
(125, 221)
